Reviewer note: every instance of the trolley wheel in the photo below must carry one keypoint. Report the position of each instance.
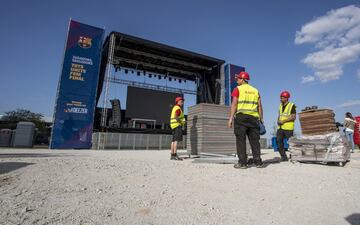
(341, 164)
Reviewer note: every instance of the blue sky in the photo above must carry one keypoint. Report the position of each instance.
(284, 45)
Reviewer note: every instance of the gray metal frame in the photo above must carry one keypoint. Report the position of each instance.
(133, 141)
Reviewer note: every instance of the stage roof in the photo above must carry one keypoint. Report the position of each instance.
(149, 56)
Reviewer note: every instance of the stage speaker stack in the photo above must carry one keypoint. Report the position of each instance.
(115, 121)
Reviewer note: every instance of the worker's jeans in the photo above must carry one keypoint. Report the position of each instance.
(350, 136)
(280, 136)
(246, 125)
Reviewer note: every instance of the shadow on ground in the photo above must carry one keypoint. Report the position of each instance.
(31, 155)
(353, 219)
(6, 167)
(234, 160)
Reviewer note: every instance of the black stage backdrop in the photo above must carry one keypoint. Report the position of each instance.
(150, 104)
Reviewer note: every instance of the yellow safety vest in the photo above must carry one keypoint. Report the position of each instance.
(248, 100)
(283, 115)
(173, 122)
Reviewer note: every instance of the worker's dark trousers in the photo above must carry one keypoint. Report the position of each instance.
(280, 135)
(246, 125)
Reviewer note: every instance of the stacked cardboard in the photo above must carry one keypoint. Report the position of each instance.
(320, 148)
(208, 131)
(317, 122)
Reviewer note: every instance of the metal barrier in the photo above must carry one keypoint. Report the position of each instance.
(133, 141)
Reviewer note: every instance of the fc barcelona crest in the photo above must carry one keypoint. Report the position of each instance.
(84, 42)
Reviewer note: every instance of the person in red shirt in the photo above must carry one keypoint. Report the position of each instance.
(246, 114)
(177, 121)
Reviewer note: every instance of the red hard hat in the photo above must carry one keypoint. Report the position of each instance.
(242, 75)
(178, 99)
(285, 94)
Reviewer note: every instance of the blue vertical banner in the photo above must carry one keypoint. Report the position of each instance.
(76, 94)
(230, 82)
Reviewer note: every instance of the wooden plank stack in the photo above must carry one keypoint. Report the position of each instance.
(208, 131)
(317, 122)
(320, 148)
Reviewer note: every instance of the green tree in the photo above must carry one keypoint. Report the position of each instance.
(25, 115)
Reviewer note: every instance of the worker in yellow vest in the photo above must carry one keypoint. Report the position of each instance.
(245, 115)
(286, 122)
(177, 121)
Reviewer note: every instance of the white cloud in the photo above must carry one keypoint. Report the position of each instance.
(336, 37)
(307, 79)
(349, 103)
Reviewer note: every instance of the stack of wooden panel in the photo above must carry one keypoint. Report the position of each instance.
(208, 131)
(317, 122)
(320, 148)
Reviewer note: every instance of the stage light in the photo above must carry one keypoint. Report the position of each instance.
(132, 71)
(179, 81)
(138, 73)
(126, 71)
(159, 77)
(184, 81)
(170, 79)
(155, 75)
(150, 75)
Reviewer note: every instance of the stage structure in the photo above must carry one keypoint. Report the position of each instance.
(90, 66)
(122, 50)
(148, 57)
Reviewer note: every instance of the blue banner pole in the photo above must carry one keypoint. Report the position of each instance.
(76, 94)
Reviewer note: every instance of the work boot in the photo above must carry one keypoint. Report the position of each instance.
(284, 159)
(250, 161)
(178, 158)
(172, 157)
(259, 164)
(240, 166)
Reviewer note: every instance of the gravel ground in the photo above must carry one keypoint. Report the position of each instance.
(145, 187)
